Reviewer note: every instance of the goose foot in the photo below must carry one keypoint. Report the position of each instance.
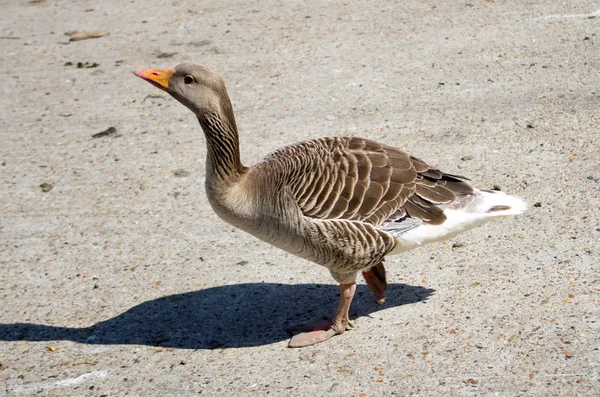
(320, 332)
(377, 282)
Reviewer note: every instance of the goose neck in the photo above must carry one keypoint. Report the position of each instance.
(223, 147)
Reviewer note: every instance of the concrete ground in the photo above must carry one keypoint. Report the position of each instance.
(117, 279)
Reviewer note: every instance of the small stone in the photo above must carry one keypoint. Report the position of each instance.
(330, 117)
(165, 55)
(110, 131)
(77, 36)
(46, 187)
(467, 157)
(51, 348)
(181, 173)
(457, 245)
(538, 204)
(472, 381)
(87, 65)
(200, 43)
(496, 188)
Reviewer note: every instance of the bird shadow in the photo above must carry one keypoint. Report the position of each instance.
(239, 315)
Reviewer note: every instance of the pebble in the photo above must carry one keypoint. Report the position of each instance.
(110, 131)
(181, 173)
(87, 65)
(77, 36)
(593, 179)
(164, 55)
(46, 187)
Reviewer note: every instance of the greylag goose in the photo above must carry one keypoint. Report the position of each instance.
(344, 203)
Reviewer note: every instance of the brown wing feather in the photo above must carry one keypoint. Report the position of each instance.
(362, 180)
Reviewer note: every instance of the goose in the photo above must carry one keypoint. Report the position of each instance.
(345, 203)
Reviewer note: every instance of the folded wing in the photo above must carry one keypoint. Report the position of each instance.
(362, 180)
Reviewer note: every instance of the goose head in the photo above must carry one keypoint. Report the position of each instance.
(196, 87)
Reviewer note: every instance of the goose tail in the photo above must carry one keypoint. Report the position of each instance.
(493, 203)
(484, 206)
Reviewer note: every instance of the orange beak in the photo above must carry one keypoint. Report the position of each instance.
(157, 77)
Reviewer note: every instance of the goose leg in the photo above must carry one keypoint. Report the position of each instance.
(341, 322)
(376, 281)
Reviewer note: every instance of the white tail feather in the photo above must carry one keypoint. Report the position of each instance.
(486, 206)
(487, 200)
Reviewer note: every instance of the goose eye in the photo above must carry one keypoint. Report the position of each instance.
(188, 79)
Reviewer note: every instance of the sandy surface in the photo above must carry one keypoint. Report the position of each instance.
(117, 279)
